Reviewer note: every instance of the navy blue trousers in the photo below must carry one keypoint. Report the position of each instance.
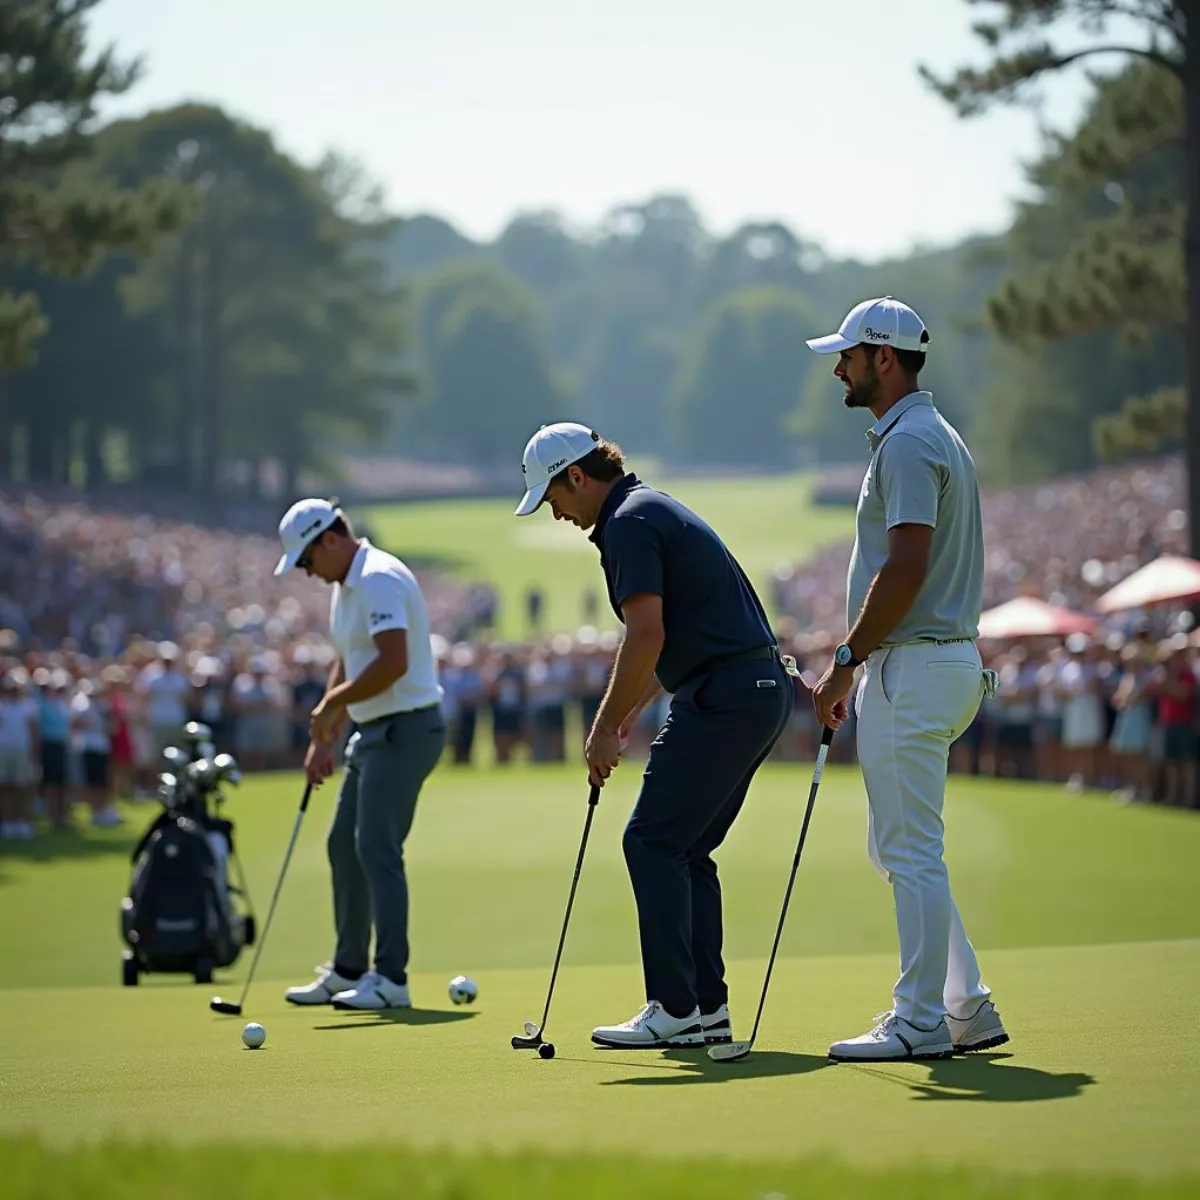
(720, 728)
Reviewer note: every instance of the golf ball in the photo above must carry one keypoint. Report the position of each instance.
(253, 1035)
(546, 1050)
(463, 989)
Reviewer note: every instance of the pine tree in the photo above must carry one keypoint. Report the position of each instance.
(52, 214)
(1125, 270)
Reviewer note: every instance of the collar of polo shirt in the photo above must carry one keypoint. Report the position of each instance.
(354, 574)
(616, 494)
(876, 433)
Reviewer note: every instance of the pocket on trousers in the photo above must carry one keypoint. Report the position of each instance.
(889, 666)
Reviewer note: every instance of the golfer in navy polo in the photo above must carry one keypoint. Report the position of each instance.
(694, 628)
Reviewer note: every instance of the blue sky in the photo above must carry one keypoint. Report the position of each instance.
(808, 112)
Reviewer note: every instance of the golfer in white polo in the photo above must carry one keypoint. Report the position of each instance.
(383, 681)
(914, 594)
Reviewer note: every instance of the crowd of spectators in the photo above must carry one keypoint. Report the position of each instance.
(115, 629)
(1067, 542)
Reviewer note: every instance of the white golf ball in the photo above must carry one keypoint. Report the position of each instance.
(253, 1035)
(463, 989)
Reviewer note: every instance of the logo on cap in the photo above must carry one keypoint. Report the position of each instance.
(316, 524)
(875, 333)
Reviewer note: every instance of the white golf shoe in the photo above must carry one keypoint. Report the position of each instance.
(980, 1031)
(322, 990)
(652, 1029)
(718, 1029)
(892, 1039)
(373, 991)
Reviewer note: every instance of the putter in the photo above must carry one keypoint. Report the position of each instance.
(228, 1006)
(534, 1039)
(736, 1051)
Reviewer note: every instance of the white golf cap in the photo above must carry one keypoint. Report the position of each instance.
(551, 449)
(881, 322)
(305, 520)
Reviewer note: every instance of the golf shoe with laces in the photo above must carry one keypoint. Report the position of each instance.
(373, 991)
(980, 1031)
(652, 1029)
(893, 1039)
(718, 1029)
(322, 990)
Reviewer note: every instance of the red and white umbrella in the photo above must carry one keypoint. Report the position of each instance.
(1027, 617)
(1168, 578)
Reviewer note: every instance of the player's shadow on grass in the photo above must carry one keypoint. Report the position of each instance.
(694, 1066)
(981, 1077)
(383, 1017)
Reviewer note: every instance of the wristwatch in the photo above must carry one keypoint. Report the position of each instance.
(844, 656)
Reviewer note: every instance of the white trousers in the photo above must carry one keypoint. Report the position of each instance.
(912, 702)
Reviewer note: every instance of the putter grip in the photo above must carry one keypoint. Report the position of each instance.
(594, 796)
(827, 736)
(304, 799)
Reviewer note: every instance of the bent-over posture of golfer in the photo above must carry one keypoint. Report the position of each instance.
(915, 591)
(384, 680)
(694, 627)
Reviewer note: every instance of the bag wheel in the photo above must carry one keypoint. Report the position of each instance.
(249, 930)
(202, 971)
(129, 971)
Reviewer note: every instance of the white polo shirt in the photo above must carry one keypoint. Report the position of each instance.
(381, 593)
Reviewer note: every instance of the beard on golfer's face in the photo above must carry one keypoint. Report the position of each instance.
(863, 391)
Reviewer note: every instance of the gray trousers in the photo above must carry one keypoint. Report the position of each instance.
(387, 761)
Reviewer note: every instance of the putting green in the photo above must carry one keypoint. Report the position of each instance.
(1083, 912)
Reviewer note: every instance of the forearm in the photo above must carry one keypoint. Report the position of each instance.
(632, 680)
(891, 595)
(652, 692)
(377, 676)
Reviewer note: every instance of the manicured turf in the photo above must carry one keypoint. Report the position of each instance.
(1084, 912)
(766, 521)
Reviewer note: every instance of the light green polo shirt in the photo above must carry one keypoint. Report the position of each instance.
(921, 473)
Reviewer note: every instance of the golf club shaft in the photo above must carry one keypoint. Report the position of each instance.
(822, 753)
(241, 876)
(287, 858)
(593, 800)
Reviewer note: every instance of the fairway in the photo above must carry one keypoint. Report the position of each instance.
(765, 520)
(1084, 913)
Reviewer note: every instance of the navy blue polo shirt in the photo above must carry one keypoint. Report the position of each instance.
(650, 543)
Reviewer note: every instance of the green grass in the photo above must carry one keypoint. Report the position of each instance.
(1084, 913)
(764, 520)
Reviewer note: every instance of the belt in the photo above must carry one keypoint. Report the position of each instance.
(771, 651)
(403, 712)
(758, 653)
(936, 641)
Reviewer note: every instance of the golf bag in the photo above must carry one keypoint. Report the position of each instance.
(182, 914)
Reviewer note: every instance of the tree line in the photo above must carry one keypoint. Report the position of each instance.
(182, 304)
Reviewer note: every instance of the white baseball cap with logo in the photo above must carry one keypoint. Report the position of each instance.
(550, 450)
(880, 322)
(304, 521)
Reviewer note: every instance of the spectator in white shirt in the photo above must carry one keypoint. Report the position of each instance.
(164, 689)
(19, 751)
(91, 739)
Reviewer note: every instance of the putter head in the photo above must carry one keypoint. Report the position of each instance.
(225, 1006)
(526, 1043)
(729, 1051)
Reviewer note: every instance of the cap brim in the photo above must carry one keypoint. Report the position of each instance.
(287, 562)
(832, 343)
(532, 499)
